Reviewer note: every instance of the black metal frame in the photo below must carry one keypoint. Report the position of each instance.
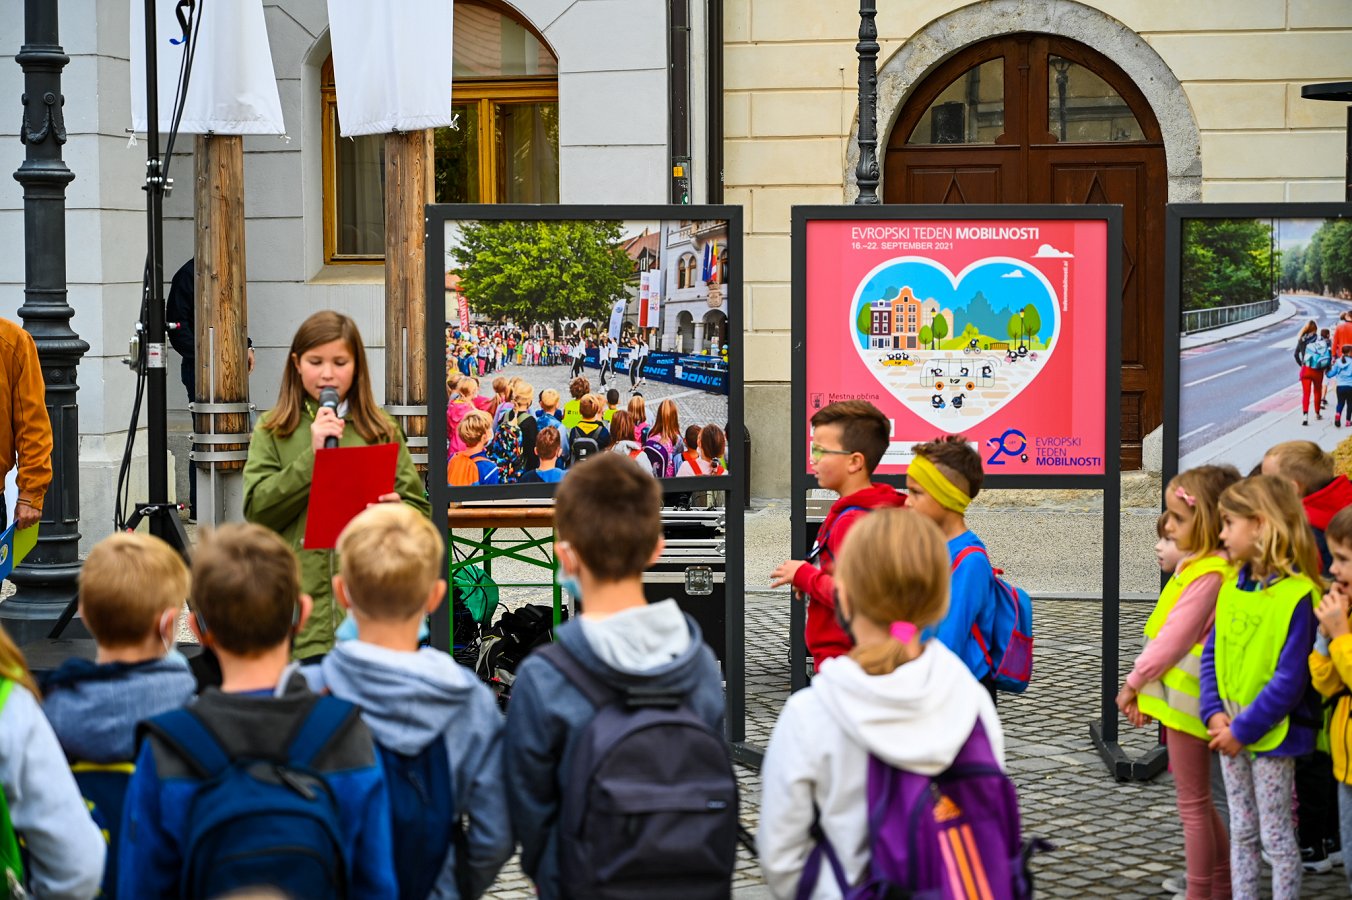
(731, 485)
(1109, 481)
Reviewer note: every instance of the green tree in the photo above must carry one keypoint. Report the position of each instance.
(1032, 322)
(534, 272)
(1015, 328)
(865, 320)
(1335, 250)
(1226, 262)
(940, 328)
(926, 336)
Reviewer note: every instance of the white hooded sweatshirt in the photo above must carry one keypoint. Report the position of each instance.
(917, 718)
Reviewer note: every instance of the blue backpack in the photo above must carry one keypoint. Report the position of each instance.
(424, 823)
(104, 789)
(1009, 652)
(649, 805)
(1318, 354)
(261, 821)
(954, 836)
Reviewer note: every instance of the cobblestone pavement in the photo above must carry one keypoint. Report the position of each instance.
(696, 407)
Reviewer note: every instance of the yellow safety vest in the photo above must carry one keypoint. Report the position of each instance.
(1175, 698)
(1251, 628)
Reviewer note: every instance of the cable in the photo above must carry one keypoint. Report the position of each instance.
(192, 31)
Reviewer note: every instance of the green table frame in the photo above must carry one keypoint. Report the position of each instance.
(531, 549)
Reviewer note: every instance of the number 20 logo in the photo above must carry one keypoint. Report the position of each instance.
(1012, 443)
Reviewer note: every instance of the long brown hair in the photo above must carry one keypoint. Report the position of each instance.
(668, 422)
(1285, 544)
(363, 414)
(894, 568)
(13, 666)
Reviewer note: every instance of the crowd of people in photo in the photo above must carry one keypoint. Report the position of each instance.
(510, 438)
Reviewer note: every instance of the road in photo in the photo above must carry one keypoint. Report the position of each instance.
(1242, 395)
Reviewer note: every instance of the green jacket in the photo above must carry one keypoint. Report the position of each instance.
(277, 495)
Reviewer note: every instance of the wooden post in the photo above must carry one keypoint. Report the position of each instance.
(408, 188)
(221, 309)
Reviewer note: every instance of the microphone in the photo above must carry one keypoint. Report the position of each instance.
(329, 397)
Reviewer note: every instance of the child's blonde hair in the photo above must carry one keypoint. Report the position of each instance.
(1303, 462)
(894, 567)
(588, 406)
(1202, 488)
(637, 409)
(524, 393)
(1285, 544)
(389, 557)
(468, 387)
(474, 427)
(549, 399)
(126, 584)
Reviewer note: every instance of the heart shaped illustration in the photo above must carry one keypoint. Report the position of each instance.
(955, 349)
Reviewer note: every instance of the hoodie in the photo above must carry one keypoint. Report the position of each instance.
(94, 709)
(65, 852)
(825, 638)
(409, 700)
(1320, 508)
(916, 718)
(640, 647)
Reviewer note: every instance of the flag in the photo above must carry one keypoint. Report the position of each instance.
(616, 318)
(715, 266)
(654, 298)
(644, 286)
(391, 64)
(706, 270)
(463, 303)
(232, 88)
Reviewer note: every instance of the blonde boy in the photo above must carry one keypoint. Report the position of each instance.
(418, 701)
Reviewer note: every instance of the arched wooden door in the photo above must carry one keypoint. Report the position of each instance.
(1035, 118)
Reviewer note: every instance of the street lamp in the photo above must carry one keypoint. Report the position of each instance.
(1336, 92)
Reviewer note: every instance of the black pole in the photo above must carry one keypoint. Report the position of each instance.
(1336, 92)
(866, 173)
(157, 422)
(47, 578)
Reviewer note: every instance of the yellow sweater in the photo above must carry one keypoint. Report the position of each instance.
(1332, 675)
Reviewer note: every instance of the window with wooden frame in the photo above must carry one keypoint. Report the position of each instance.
(503, 148)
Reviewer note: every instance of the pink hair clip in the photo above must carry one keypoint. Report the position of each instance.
(903, 632)
(1185, 496)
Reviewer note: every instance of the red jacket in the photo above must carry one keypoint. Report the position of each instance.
(1322, 506)
(825, 638)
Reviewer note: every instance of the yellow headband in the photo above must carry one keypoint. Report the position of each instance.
(934, 482)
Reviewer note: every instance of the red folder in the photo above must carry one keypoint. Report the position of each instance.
(345, 481)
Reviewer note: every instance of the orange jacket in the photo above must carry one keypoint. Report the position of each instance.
(25, 430)
(1342, 334)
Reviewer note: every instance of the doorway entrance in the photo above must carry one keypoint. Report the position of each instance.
(1037, 118)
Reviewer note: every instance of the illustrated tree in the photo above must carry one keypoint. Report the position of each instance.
(926, 336)
(864, 322)
(1015, 328)
(536, 272)
(1032, 322)
(940, 328)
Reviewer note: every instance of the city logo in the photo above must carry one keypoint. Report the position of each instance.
(1011, 444)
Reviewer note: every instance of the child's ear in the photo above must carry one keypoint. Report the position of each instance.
(306, 605)
(435, 596)
(340, 592)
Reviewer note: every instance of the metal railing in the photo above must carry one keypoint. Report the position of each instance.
(1216, 317)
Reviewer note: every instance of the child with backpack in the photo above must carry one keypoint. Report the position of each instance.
(690, 455)
(1163, 683)
(578, 388)
(664, 445)
(1331, 667)
(63, 851)
(462, 396)
(640, 414)
(259, 783)
(547, 451)
(471, 465)
(1314, 353)
(436, 726)
(1341, 373)
(1255, 680)
(589, 436)
(619, 723)
(712, 446)
(612, 404)
(626, 443)
(548, 416)
(894, 755)
(944, 476)
(849, 439)
(132, 587)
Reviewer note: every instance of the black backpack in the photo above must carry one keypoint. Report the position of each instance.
(504, 645)
(582, 444)
(649, 802)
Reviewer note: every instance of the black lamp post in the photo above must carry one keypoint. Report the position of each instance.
(866, 173)
(47, 578)
(1336, 92)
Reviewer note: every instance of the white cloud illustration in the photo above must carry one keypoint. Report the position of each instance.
(1013, 273)
(1047, 250)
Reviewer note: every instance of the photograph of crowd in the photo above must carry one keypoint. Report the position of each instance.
(567, 339)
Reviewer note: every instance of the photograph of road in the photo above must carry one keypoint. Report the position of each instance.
(1262, 303)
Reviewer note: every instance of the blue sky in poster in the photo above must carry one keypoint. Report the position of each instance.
(1003, 290)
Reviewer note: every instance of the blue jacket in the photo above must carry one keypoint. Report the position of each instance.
(161, 794)
(546, 717)
(971, 601)
(1288, 693)
(94, 709)
(1341, 371)
(409, 700)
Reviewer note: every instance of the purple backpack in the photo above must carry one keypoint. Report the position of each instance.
(954, 836)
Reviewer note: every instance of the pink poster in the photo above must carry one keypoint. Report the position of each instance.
(992, 329)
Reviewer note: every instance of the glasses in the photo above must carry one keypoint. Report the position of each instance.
(818, 452)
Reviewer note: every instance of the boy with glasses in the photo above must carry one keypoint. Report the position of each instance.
(848, 441)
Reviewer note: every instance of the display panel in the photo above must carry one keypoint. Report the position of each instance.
(1246, 282)
(994, 327)
(617, 327)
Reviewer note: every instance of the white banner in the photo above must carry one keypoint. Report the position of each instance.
(232, 88)
(643, 288)
(391, 64)
(654, 308)
(616, 319)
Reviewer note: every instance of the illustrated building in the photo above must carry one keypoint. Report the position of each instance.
(895, 324)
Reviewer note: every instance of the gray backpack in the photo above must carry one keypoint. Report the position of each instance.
(649, 801)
